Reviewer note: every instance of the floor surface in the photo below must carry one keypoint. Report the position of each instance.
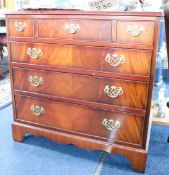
(39, 156)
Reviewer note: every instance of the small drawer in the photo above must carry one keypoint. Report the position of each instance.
(75, 29)
(21, 28)
(141, 32)
(89, 88)
(101, 123)
(125, 61)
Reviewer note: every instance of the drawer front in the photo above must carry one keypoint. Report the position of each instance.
(126, 61)
(135, 32)
(88, 88)
(21, 28)
(92, 121)
(75, 29)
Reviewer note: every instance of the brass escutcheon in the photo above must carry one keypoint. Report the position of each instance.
(72, 28)
(135, 30)
(115, 60)
(34, 53)
(111, 124)
(37, 110)
(20, 26)
(113, 91)
(35, 80)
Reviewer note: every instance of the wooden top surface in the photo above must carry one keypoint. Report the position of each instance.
(81, 12)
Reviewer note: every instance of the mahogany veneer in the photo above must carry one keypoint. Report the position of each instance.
(88, 88)
(84, 78)
(83, 119)
(84, 57)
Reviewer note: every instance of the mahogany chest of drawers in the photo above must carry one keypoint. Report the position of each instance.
(84, 78)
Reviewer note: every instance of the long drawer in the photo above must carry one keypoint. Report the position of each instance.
(106, 124)
(89, 88)
(125, 61)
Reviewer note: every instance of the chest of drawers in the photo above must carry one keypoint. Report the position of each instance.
(84, 78)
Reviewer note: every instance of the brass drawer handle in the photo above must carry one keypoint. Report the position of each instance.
(37, 110)
(114, 59)
(34, 53)
(113, 91)
(20, 26)
(111, 124)
(72, 28)
(135, 30)
(35, 80)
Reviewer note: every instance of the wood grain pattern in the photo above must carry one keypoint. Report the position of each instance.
(137, 62)
(27, 32)
(145, 37)
(81, 119)
(90, 30)
(86, 88)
